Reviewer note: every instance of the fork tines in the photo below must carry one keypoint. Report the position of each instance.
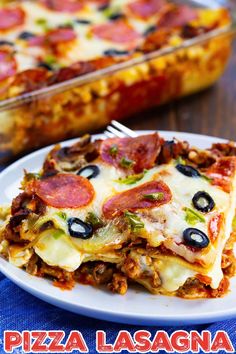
(116, 129)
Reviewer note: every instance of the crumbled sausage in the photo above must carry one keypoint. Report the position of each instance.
(171, 150)
(71, 158)
(131, 268)
(32, 267)
(222, 288)
(192, 289)
(118, 284)
(55, 272)
(102, 273)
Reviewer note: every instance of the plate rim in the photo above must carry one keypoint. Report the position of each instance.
(127, 318)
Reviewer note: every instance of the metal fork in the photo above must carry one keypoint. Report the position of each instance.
(118, 130)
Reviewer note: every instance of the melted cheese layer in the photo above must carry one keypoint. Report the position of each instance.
(39, 20)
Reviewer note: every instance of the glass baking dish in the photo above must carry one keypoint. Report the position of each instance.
(88, 102)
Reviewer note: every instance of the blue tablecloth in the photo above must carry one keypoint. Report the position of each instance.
(22, 311)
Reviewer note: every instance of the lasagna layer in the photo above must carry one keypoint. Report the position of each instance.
(142, 210)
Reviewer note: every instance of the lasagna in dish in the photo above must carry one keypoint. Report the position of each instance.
(44, 43)
(128, 210)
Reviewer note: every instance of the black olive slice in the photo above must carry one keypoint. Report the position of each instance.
(26, 35)
(115, 52)
(79, 229)
(81, 21)
(203, 202)
(187, 170)
(195, 238)
(89, 171)
(45, 66)
(116, 16)
(3, 42)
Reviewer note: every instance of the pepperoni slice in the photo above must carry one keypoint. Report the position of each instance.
(60, 35)
(11, 18)
(134, 199)
(177, 17)
(63, 5)
(8, 65)
(64, 190)
(146, 8)
(54, 37)
(215, 226)
(117, 32)
(140, 152)
(222, 172)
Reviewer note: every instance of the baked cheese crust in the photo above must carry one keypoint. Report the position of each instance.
(46, 42)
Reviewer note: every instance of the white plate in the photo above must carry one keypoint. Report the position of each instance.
(137, 306)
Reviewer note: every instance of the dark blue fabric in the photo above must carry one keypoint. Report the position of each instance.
(22, 311)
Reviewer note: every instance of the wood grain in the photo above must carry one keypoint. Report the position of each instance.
(212, 112)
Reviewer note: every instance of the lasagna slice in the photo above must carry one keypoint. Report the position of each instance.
(128, 210)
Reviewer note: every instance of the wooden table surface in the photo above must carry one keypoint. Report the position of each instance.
(212, 112)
